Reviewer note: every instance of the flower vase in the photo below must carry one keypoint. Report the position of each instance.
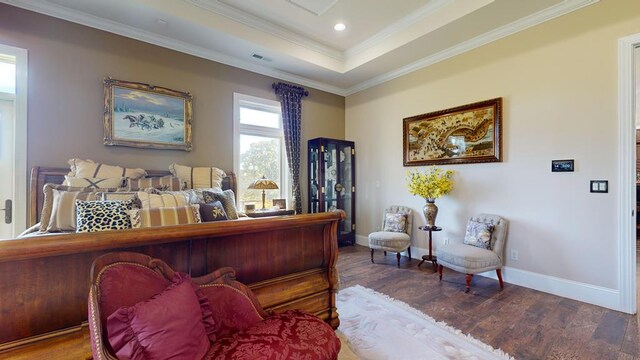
(430, 212)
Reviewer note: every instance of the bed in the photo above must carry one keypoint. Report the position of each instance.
(289, 263)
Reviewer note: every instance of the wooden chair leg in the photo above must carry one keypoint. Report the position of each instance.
(409, 252)
(499, 273)
(468, 278)
(398, 257)
(440, 267)
(372, 255)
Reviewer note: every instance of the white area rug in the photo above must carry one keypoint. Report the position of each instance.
(380, 327)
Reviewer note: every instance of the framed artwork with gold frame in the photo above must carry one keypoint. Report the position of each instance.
(146, 116)
(465, 134)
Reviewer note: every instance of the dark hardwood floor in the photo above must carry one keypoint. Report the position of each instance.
(527, 324)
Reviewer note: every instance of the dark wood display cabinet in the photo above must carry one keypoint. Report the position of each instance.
(332, 182)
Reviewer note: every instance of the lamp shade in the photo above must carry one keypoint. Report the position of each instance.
(263, 184)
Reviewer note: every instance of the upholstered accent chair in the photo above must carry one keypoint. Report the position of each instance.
(474, 259)
(138, 306)
(395, 234)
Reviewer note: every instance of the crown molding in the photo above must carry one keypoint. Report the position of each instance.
(547, 14)
(166, 42)
(255, 22)
(431, 8)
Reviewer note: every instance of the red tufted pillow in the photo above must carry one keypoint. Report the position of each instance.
(169, 325)
(231, 310)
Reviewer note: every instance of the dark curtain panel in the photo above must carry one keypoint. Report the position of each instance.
(291, 102)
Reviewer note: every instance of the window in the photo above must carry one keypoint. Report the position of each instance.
(7, 74)
(259, 149)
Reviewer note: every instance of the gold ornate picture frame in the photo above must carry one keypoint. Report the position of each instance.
(465, 134)
(145, 116)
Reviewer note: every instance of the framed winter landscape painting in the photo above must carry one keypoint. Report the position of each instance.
(141, 115)
(465, 134)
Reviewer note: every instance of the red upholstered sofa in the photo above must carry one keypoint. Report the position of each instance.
(139, 308)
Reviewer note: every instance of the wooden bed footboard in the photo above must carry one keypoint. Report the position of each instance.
(289, 262)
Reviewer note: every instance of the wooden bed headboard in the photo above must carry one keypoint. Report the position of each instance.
(45, 175)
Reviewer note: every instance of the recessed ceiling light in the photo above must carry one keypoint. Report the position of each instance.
(339, 27)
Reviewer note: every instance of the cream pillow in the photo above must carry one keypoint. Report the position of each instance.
(100, 183)
(89, 169)
(198, 177)
(165, 199)
(63, 213)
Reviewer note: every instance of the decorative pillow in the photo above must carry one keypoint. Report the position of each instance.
(164, 199)
(47, 202)
(212, 212)
(198, 177)
(395, 222)
(167, 326)
(62, 209)
(119, 196)
(227, 198)
(164, 183)
(224, 300)
(478, 234)
(100, 183)
(164, 216)
(103, 215)
(89, 169)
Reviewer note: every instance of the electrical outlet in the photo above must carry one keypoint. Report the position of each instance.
(514, 255)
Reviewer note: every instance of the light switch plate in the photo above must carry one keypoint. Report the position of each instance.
(599, 186)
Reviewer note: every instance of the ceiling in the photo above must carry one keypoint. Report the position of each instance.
(294, 40)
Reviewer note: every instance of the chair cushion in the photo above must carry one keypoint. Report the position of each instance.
(478, 234)
(292, 334)
(231, 310)
(467, 257)
(167, 326)
(395, 222)
(391, 241)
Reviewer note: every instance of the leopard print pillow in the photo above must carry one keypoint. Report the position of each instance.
(106, 215)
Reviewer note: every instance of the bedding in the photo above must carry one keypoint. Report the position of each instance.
(92, 216)
(100, 183)
(227, 198)
(164, 183)
(165, 216)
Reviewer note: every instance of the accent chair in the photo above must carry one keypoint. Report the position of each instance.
(481, 250)
(395, 234)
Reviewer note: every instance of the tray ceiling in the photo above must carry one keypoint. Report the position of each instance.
(294, 40)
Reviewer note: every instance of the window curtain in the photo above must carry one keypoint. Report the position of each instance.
(291, 101)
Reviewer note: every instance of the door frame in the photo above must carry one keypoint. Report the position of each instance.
(626, 172)
(19, 139)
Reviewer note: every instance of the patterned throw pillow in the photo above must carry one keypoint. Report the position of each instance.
(227, 198)
(164, 199)
(212, 212)
(395, 222)
(89, 169)
(478, 234)
(163, 183)
(198, 177)
(63, 210)
(103, 215)
(164, 216)
(100, 183)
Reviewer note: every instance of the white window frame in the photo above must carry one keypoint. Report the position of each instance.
(257, 103)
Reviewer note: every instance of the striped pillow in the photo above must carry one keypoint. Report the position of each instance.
(47, 203)
(101, 183)
(198, 177)
(89, 169)
(63, 211)
(165, 216)
(165, 199)
(164, 183)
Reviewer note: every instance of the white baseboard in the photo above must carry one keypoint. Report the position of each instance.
(596, 295)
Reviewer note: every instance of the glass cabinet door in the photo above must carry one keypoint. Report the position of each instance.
(332, 181)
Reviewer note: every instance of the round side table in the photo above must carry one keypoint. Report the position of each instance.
(430, 257)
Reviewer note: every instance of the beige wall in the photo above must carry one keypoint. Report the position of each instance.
(558, 82)
(67, 63)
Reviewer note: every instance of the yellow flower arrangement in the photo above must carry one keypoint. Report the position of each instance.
(431, 184)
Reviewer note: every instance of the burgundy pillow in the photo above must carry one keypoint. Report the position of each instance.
(230, 309)
(168, 325)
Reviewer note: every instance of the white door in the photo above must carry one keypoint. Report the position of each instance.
(6, 164)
